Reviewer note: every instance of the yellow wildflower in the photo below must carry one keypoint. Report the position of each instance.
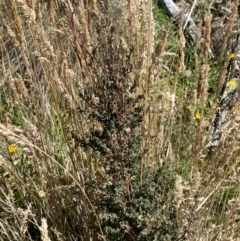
(198, 116)
(232, 56)
(233, 108)
(12, 148)
(233, 82)
(214, 107)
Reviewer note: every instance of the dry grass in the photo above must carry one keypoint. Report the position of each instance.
(50, 60)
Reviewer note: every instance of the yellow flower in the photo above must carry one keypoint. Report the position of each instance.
(12, 148)
(232, 56)
(233, 108)
(233, 82)
(214, 107)
(198, 116)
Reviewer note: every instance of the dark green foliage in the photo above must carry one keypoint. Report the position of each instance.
(129, 209)
(33, 232)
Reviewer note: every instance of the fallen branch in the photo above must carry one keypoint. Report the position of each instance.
(222, 124)
(183, 19)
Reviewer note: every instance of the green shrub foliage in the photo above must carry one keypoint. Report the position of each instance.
(129, 209)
